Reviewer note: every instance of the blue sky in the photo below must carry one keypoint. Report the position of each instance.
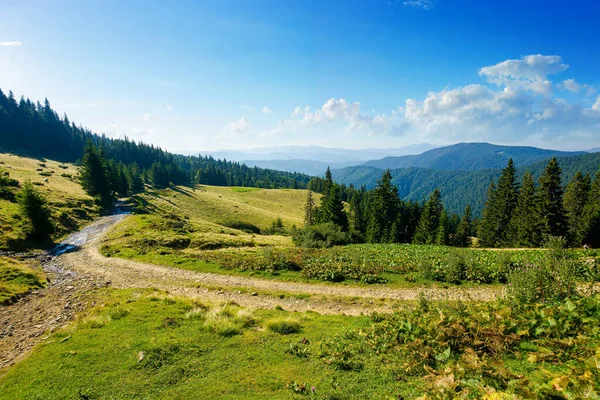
(206, 75)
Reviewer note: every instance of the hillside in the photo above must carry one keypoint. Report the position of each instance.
(470, 157)
(71, 206)
(458, 188)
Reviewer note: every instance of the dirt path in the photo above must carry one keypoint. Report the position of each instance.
(76, 270)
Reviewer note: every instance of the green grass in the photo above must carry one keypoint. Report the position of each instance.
(171, 348)
(145, 344)
(71, 207)
(16, 279)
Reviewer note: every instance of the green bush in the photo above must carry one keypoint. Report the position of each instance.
(321, 236)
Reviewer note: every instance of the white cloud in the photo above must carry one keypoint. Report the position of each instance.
(239, 126)
(529, 72)
(267, 110)
(572, 86)
(169, 107)
(510, 110)
(424, 4)
(249, 108)
(146, 116)
(14, 44)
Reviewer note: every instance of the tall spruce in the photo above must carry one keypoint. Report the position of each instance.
(592, 214)
(427, 229)
(463, 232)
(575, 201)
(95, 178)
(505, 203)
(525, 224)
(385, 206)
(441, 238)
(552, 212)
(309, 210)
(487, 227)
(333, 209)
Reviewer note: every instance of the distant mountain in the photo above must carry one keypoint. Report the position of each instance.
(315, 153)
(458, 187)
(470, 157)
(309, 167)
(596, 150)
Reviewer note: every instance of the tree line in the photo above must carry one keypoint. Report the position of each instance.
(516, 214)
(36, 130)
(526, 214)
(380, 216)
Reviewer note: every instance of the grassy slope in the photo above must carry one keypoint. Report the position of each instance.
(16, 279)
(143, 344)
(183, 357)
(63, 194)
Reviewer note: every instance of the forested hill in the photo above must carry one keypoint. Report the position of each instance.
(470, 157)
(458, 188)
(36, 130)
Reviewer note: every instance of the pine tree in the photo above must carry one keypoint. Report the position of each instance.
(463, 231)
(505, 203)
(592, 214)
(426, 232)
(333, 210)
(487, 227)
(35, 208)
(525, 224)
(327, 185)
(441, 238)
(576, 198)
(95, 176)
(552, 212)
(309, 210)
(384, 210)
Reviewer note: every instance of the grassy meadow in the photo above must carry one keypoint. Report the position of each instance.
(229, 230)
(71, 206)
(147, 344)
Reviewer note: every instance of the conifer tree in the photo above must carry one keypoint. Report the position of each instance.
(525, 224)
(426, 232)
(441, 238)
(309, 210)
(35, 208)
(333, 210)
(384, 209)
(487, 227)
(576, 198)
(463, 231)
(552, 212)
(505, 203)
(592, 214)
(95, 176)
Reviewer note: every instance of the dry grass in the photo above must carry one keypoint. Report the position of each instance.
(71, 207)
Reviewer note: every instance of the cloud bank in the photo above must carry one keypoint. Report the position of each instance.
(516, 101)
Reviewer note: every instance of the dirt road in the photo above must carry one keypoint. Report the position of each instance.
(76, 269)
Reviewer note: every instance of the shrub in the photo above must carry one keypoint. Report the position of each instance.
(455, 270)
(35, 208)
(552, 279)
(283, 326)
(321, 236)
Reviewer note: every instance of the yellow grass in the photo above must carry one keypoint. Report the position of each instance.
(63, 194)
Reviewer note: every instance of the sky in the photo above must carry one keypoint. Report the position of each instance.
(193, 76)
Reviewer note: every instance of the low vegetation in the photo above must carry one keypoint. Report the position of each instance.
(138, 343)
(16, 279)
